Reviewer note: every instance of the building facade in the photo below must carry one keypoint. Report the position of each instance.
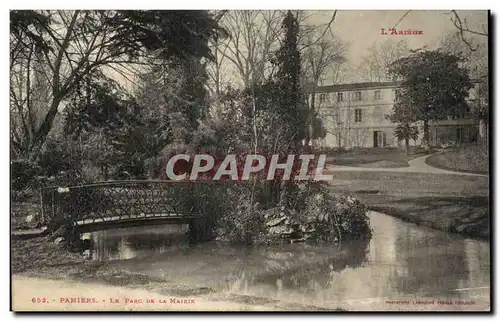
(355, 115)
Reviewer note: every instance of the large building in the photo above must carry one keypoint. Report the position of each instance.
(354, 115)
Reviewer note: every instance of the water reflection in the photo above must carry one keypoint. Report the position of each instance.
(124, 244)
(432, 264)
(401, 260)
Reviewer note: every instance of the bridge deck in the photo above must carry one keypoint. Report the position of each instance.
(94, 224)
(117, 204)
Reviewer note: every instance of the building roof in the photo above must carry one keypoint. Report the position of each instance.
(353, 86)
(361, 86)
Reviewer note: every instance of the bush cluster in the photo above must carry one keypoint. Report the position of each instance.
(317, 216)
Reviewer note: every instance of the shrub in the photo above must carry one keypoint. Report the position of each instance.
(329, 150)
(243, 222)
(335, 218)
(316, 216)
(60, 156)
(23, 173)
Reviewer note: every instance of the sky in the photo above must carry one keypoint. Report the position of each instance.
(361, 28)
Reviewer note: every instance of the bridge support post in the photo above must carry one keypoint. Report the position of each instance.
(200, 230)
(194, 231)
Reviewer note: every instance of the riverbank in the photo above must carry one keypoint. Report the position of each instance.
(442, 268)
(452, 203)
(50, 268)
(100, 283)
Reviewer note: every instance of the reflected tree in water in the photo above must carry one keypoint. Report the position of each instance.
(428, 262)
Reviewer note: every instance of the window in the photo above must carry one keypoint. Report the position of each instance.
(357, 95)
(340, 96)
(377, 113)
(357, 115)
(322, 98)
(460, 135)
(377, 94)
(336, 115)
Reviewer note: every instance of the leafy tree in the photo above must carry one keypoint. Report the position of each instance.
(290, 109)
(27, 30)
(291, 103)
(406, 131)
(318, 129)
(83, 42)
(405, 117)
(433, 87)
(270, 116)
(171, 102)
(61, 159)
(22, 173)
(181, 85)
(104, 121)
(482, 110)
(473, 46)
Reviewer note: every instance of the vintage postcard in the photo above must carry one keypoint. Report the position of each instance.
(250, 160)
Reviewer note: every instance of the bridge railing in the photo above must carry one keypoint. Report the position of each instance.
(121, 200)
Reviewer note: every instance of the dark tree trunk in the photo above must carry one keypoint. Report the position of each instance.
(426, 133)
(310, 120)
(46, 126)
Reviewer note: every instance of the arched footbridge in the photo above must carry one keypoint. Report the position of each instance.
(120, 204)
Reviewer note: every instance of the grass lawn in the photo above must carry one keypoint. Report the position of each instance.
(375, 157)
(19, 211)
(452, 203)
(473, 158)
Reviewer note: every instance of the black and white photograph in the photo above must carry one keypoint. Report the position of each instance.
(250, 160)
